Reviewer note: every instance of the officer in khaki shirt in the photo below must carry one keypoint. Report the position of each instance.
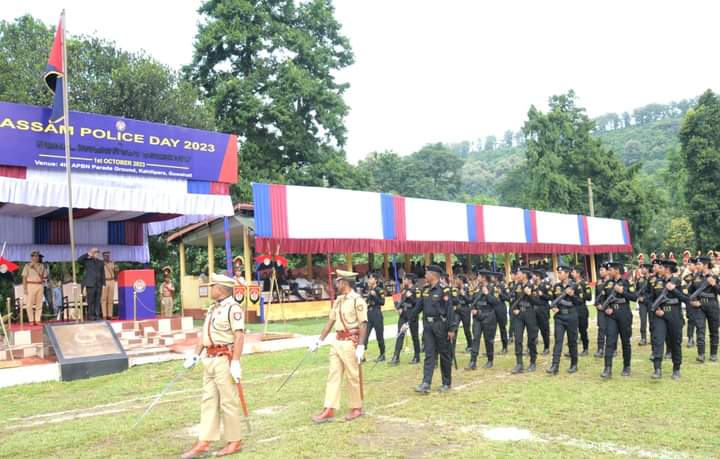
(349, 315)
(222, 340)
(34, 277)
(107, 298)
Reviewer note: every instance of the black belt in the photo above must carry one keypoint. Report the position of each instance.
(524, 308)
(432, 319)
(566, 311)
(704, 300)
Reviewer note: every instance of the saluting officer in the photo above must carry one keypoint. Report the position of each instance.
(565, 305)
(375, 300)
(668, 320)
(222, 339)
(408, 298)
(705, 307)
(615, 304)
(439, 328)
(525, 319)
(485, 321)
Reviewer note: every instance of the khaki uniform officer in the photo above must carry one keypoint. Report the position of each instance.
(222, 339)
(107, 298)
(167, 292)
(349, 315)
(34, 276)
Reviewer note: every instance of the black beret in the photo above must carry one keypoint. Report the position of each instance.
(646, 265)
(579, 269)
(614, 264)
(498, 274)
(435, 269)
(410, 276)
(669, 263)
(539, 272)
(564, 269)
(704, 260)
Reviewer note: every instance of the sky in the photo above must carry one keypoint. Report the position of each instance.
(451, 70)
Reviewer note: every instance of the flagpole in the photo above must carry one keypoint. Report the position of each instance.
(68, 167)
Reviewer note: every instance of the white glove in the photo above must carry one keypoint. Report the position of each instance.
(314, 346)
(360, 353)
(235, 370)
(190, 361)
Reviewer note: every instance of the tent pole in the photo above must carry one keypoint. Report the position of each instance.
(211, 253)
(181, 253)
(228, 246)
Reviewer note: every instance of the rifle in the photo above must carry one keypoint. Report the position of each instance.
(659, 299)
(557, 300)
(700, 289)
(608, 300)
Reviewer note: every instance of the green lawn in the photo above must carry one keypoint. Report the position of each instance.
(565, 416)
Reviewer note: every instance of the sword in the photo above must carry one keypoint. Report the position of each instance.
(362, 390)
(293, 372)
(167, 387)
(243, 403)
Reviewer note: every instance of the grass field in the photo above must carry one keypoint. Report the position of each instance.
(563, 416)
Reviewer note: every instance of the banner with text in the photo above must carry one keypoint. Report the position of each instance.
(115, 145)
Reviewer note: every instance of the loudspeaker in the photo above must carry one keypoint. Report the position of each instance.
(85, 350)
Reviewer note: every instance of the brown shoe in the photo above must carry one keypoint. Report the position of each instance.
(328, 414)
(200, 448)
(354, 414)
(231, 448)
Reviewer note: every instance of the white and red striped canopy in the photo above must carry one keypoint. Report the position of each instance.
(300, 219)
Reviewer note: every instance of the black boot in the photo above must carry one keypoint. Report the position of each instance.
(423, 388)
(713, 357)
(573, 368)
(488, 364)
(473, 364)
(700, 358)
(691, 343)
(676, 375)
(668, 355)
(584, 353)
(504, 350)
(518, 366)
(380, 358)
(626, 371)
(657, 374)
(554, 369)
(643, 341)
(607, 373)
(546, 351)
(532, 366)
(415, 360)
(395, 360)
(599, 354)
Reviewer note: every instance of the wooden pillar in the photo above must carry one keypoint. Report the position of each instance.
(348, 258)
(371, 261)
(308, 266)
(555, 264)
(428, 259)
(407, 262)
(211, 253)
(507, 267)
(247, 256)
(468, 263)
(448, 264)
(386, 267)
(181, 255)
(593, 271)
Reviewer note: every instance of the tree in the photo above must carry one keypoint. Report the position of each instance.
(700, 149)
(680, 235)
(103, 78)
(435, 173)
(561, 155)
(490, 143)
(508, 139)
(268, 69)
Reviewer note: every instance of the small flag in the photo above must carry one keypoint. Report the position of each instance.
(55, 75)
(7, 266)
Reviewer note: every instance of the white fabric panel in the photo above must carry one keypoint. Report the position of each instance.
(91, 232)
(605, 231)
(428, 220)
(504, 224)
(44, 188)
(21, 210)
(16, 230)
(343, 214)
(55, 253)
(553, 228)
(156, 228)
(112, 216)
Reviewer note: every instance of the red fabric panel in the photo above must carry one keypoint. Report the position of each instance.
(383, 246)
(59, 232)
(13, 172)
(279, 215)
(133, 233)
(400, 227)
(479, 223)
(219, 188)
(533, 225)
